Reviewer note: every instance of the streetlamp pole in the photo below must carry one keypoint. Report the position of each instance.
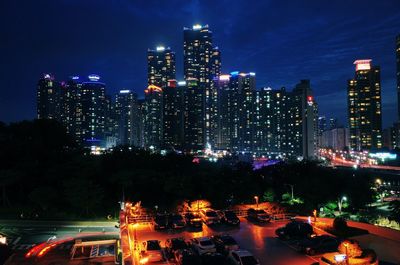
(292, 189)
(256, 198)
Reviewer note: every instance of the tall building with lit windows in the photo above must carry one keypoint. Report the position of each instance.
(236, 108)
(94, 108)
(173, 114)
(127, 114)
(302, 121)
(202, 62)
(193, 116)
(270, 121)
(153, 117)
(398, 73)
(72, 108)
(160, 66)
(48, 96)
(364, 107)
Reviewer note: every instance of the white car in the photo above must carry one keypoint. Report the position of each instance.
(151, 252)
(209, 216)
(242, 257)
(203, 245)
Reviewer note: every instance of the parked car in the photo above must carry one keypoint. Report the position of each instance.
(193, 220)
(176, 221)
(258, 215)
(212, 259)
(368, 257)
(151, 251)
(225, 243)
(230, 218)
(203, 245)
(160, 221)
(209, 216)
(318, 245)
(295, 230)
(242, 257)
(187, 257)
(172, 245)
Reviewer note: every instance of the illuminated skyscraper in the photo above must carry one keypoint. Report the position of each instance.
(270, 121)
(364, 107)
(193, 116)
(398, 73)
(72, 107)
(160, 66)
(93, 106)
(153, 117)
(173, 114)
(236, 93)
(202, 63)
(128, 118)
(49, 103)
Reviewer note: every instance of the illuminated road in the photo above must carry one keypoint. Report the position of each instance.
(260, 240)
(23, 235)
(345, 163)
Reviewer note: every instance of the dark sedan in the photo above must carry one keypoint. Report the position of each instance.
(318, 245)
(295, 230)
(230, 218)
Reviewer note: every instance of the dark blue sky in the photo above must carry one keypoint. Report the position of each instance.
(282, 41)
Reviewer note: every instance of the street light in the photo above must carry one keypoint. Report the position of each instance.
(256, 198)
(340, 203)
(292, 188)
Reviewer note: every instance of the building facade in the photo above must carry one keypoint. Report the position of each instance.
(364, 107)
(173, 126)
(398, 73)
(202, 62)
(127, 113)
(94, 109)
(160, 66)
(153, 117)
(49, 98)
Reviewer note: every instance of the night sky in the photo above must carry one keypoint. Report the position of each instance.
(282, 41)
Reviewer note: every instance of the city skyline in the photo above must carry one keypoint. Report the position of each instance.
(378, 42)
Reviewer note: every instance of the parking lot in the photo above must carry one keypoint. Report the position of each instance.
(258, 239)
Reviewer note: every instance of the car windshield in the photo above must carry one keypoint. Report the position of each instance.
(228, 240)
(206, 242)
(177, 217)
(153, 245)
(160, 218)
(249, 260)
(230, 214)
(211, 214)
(178, 244)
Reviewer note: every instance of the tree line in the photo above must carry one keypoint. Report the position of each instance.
(45, 174)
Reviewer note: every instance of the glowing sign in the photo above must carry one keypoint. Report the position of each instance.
(160, 48)
(224, 77)
(94, 77)
(235, 73)
(152, 88)
(339, 257)
(172, 83)
(310, 100)
(74, 77)
(252, 73)
(124, 91)
(47, 76)
(383, 155)
(182, 83)
(363, 64)
(197, 26)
